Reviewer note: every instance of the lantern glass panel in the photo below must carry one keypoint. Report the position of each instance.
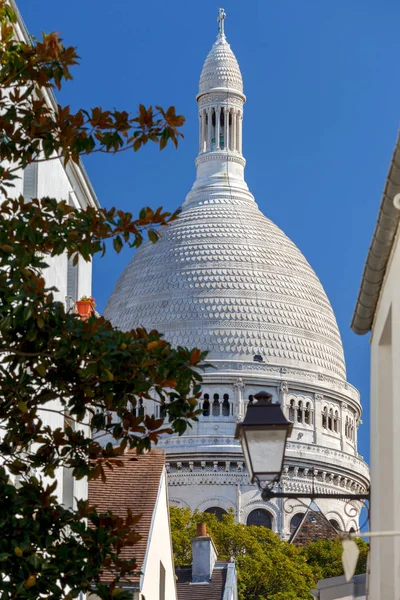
(265, 451)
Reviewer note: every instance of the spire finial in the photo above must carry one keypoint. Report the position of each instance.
(220, 21)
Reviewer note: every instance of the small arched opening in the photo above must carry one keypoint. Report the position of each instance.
(335, 524)
(300, 412)
(216, 407)
(226, 406)
(291, 410)
(330, 420)
(217, 511)
(307, 414)
(295, 522)
(260, 518)
(206, 405)
(325, 418)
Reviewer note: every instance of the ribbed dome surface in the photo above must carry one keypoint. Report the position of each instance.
(226, 279)
(221, 69)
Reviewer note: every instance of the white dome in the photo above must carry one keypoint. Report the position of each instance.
(224, 278)
(221, 69)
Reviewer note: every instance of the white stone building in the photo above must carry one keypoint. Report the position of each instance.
(71, 183)
(226, 279)
(378, 311)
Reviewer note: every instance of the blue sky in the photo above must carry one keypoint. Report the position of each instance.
(320, 123)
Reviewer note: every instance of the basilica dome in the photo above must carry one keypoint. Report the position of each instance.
(223, 277)
(226, 279)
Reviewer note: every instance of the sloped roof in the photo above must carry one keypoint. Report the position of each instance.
(380, 250)
(134, 486)
(313, 527)
(201, 591)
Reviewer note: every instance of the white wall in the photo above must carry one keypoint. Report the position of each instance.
(385, 435)
(159, 550)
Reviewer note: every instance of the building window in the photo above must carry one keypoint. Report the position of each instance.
(307, 414)
(325, 418)
(217, 511)
(206, 405)
(260, 518)
(162, 582)
(336, 421)
(335, 524)
(295, 522)
(291, 410)
(216, 407)
(300, 412)
(330, 420)
(226, 406)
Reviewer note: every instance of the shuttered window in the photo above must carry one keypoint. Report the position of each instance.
(30, 189)
(72, 275)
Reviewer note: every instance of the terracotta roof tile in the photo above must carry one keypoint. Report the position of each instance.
(201, 591)
(313, 527)
(134, 486)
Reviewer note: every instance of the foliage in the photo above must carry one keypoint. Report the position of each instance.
(268, 567)
(325, 557)
(84, 374)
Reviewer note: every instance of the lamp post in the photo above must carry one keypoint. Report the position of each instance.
(263, 434)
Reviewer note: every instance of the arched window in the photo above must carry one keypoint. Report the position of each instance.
(307, 414)
(260, 518)
(336, 421)
(216, 407)
(335, 524)
(206, 405)
(330, 420)
(217, 511)
(291, 410)
(325, 418)
(300, 412)
(226, 406)
(295, 522)
(346, 427)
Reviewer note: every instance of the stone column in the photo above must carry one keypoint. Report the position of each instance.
(233, 140)
(217, 127)
(240, 134)
(227, 132)
(200, 130)
(239, 386)
(283, 390)
(209, 130)
(203, 132)
(343, 405)
(238, 503)
(317, 417)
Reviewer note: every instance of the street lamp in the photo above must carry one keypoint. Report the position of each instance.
(263, 435)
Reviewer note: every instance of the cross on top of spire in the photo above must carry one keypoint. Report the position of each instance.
(220, 20)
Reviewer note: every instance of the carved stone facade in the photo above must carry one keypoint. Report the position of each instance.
(224, 278)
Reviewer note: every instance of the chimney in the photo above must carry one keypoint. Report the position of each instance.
(204, 555)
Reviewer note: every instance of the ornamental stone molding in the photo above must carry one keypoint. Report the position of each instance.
(224, 278)
(217, 501)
